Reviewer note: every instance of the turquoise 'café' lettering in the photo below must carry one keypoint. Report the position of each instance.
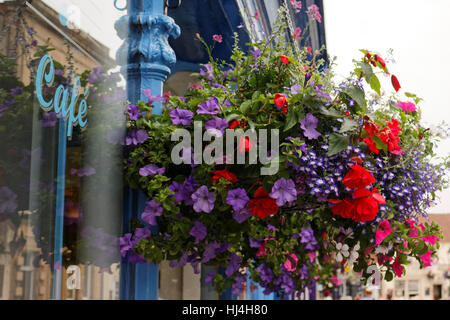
(59, 102)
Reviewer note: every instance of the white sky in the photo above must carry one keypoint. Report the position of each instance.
(418, 32)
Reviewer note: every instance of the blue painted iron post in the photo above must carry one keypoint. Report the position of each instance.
(146, 58)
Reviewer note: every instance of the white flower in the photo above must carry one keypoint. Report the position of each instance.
(383, 250)
(342, 251)
(353, 255)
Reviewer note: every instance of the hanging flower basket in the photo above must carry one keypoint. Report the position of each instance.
(318, 175)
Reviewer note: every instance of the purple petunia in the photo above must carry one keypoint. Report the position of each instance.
(151, 99)
(309, 125)
(241, 215)
(136, 137)
(255, 52)
(209, 107)
(16, 91)
(254, 243)
(208, 73)
(180, 263)
(217, 126)
(96, 75)
(198, 231)
(59, 72)
(265, 273)
(203, 200)
(210, 277)
(86, 171)
(295, 89)
(307, 237)
(237, 198)
(151, 170)
(133, 112)
(181, 116)
(304, 273)
(125, 244)
(141, 233)
(152, 210)
(233, 265)
(210, 251)
(284, 191)
(49, 119)
(237, 287)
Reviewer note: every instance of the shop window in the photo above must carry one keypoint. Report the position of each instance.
(399, 288)
(413, 288)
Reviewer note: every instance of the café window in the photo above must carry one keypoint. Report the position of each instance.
(413, 288)
(399, 288)
(62, 102)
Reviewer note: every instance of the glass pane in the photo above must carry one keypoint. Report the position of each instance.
(61, 187)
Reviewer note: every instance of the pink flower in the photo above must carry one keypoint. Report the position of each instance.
(398, 268)
(413, 232)
(426, 259)
(368, 250)
(335, 280)
(309, 50)
(297, 5)
(384, 229)
(312, 256)
(407, 106)
(314, 13)
(218, 38)
(383, 258)
(291, 263)
(297, 34)
(256, 15)
(430, 239)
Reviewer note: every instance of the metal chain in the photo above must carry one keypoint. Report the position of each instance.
(291, 27)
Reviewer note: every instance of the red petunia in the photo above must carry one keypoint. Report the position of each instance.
(366, 204)
(395, 83)
(381, 61)
(358, 177)
(372, 146)
(371, 128)
(245, 144)
(285, 60)
(224, 174)
(281, 101)
(344, 208)
(234, 124)
(262, 205)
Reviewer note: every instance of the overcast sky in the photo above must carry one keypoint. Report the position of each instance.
(418, 32)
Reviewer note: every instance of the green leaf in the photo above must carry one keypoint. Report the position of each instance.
(348, 125)
(375, 84)
(379, 143)
(255, 95)
(358, 95)
(388, 276)
(232, 117)
(337, 143)
(331, 112)
(367, 70)
(291, 119)
(245, 106)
